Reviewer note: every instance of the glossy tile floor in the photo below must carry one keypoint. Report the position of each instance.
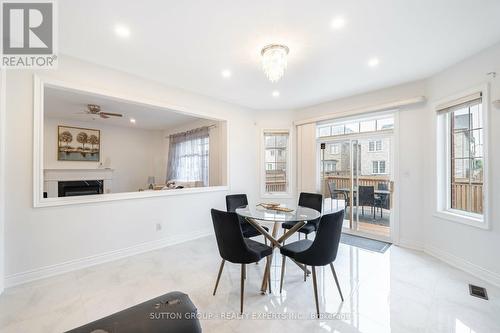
(398, 291)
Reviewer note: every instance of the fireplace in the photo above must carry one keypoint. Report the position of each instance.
(79, 187)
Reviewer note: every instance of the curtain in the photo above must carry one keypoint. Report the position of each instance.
(188, 156)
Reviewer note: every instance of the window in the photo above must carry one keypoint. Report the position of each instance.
(466, 158)
(375, 145)
(382, 123)
(334, 149)
(462, 159)
(378, 167)
(276, 162)
(188, 156)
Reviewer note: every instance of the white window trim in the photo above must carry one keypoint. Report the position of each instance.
(289, 193)
(443, 172)
(375, 150)
(335, 151)
(378, 168)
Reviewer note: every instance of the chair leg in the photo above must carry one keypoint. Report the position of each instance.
(305, 273)
(315, 286)
(269, 275)
(218, 275)
(243, 273)
(282, 272)
(306, 236)
(336, 281)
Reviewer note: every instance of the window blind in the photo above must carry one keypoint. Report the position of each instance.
(460, 103)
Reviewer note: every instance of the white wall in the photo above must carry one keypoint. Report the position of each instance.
(132, 153)
(473, 248)
(37, 238)
(2, 178)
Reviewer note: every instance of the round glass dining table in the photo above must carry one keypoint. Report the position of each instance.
(260, 213)
(255, 214)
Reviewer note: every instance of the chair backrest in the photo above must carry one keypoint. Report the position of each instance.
(230, 241)
(331, 188)
(325, 245)
(311, 200)
(366, 195)
(234, 201)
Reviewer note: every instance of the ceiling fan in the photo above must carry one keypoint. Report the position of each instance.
(95, 110)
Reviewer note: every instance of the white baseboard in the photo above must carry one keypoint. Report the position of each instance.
(73, 265)
(410, 244)
(453, 260)
(467, 266)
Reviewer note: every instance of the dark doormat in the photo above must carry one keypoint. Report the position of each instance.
(365, 243)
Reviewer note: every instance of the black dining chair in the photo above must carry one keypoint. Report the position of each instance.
(234, 201)
(382, 200)
(309, 200)
(332, 189)
(233, 247)
(319, 252)
(366, 197)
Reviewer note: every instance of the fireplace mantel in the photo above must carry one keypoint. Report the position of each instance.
(51, 178)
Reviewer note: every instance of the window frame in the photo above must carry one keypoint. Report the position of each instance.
(443, 208)
(262, 164)
(375, 146)
(378, 167)
(335, 151)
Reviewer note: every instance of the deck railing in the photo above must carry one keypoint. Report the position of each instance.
(464, 196)
(467, 197)
(275, 181)
(344, 182)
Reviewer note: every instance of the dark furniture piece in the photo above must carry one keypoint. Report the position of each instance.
(331, 188)
(150, 317)
(382, 200)
(309, 200)
(366, 197)
(233, 247)
(319, 252)
(234, 201)
(300, 215)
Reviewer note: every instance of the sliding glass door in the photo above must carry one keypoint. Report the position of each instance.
(356, 175)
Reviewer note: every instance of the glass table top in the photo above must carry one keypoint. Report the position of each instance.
(260, 213)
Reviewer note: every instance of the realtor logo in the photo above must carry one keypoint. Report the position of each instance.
(28, 34)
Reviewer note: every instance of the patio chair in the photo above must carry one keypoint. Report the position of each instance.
(366, 197)
(382, 201)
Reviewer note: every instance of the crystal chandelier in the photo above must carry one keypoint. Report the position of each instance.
(274, 61)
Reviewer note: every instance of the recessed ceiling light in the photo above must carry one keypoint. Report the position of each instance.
(122, 31)
(373, 62)
(226, 73)
(276, 93)
(132, 120)
(338, 22)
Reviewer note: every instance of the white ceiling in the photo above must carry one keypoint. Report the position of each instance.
(71, 105)
(188, 43)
